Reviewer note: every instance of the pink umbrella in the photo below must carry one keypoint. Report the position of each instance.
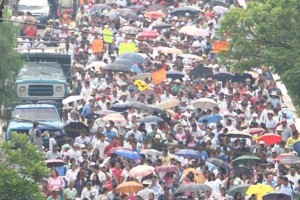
(141, 171)
(194, 31)
(253, 131)
(167, 168)
(113, 150)
(147, 34)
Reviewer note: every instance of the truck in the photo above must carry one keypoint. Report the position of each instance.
(47, 115)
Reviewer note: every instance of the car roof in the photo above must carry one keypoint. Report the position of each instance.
(35, 106)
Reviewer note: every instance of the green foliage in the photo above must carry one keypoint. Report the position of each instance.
(22, 168)
(266, 33)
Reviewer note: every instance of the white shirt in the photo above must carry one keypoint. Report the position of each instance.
(101, 146)
(87, 193)
(294, 179)
(101, 176)
(71, 175)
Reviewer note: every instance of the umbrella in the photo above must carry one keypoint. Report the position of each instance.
(147, 34)
(96, 64)
(98, 8)
(201, 72)
(190, 56)
(114, 67)
(155, 7)
(119, 107)
(73, 129)
(113, 15)
(246, 160)
(129, 187)
(218, 162)
(239, 188)
(123, 61)
(133, 57)
(222, 76)
(259, 190)
(150, 119)
(199, 177)
(243, 77)
(155, 14)
(151, 152)
(71, 99)
(296, 147)
(240, 170)
(160, 25)
(141, 171)
(170, 103)
(193, 187)
(290, 161)
(182, 10)
(145, 107)
(167, 168)
(128, 154)
(217, 3)
(175, 74)
(54, 162)
(270, 138)
(193, 31)
(238, 134)
(141, 76)
(132, 15)
(129, 30)
(276, 195)
(188, 153)
(137, 8)
(113, 150)
(124, 11)
(171, 50)
(115, 117)
(145, 193)
(254, 131)
(205, 103)
(220, 9)
(211, 118)
(285, 156)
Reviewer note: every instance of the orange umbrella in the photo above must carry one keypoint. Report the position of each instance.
(199, 177)
(270, 138)
(129, 187)
(155, 14)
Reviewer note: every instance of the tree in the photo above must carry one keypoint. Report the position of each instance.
(266, 33)
(22, 168)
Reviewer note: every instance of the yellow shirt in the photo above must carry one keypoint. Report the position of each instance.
(165, 159)
(291, 141)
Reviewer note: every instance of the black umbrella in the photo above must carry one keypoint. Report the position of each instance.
(201, 72)
(218, 162)
(242, 77)
(115, 67)
(120, 107)
(175, 74)
(145, 107)
(74, 129)
(132, 16)
(217, 3)
(160, 25)
(138, 8)
(156, 7)
(181, 11)
(223, 76)
(240, 170)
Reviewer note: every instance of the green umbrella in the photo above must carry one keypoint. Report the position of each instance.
(240, 188)
(246, 160)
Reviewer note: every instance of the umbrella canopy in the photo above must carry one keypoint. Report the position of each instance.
(290, 161)
(124, 11)
(270, 138)
(147, 34)
(156, 7)
(71, 99)
(222, 76)
(238, 134)
(211, 118)
(141, 76)
(254, 131)
(296, 147)
(155, 14)
(171, 50)
(160, 25)
(113, 150)
(217, 3)
(193, 188)
(218, 162)
(170, 103)
(114, 67)
(96, 64)
(180, 11)
(190, 56)
(175, 74)
(54, 162)
(240, 188)
(259, 190)
(116, 117)
(167, 168)
(123, 61)
(132, 15)
(120, 107)
(193, 31)
(220, 9)
(201, 72)
(137, 8)
(73, 129)
(128, 154)
(205, 103)
(187, 153)
(129, 30)
(145, 193)
(285, 156)
(151, 152)
(199, 177)
(133, 57)
(129, 187)
(150, 119)
(141, 171)
(98, 8)
(276, 195)
(246, 160)
(145, 107)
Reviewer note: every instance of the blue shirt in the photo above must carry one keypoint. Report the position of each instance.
(85, 110)
(203, 155)
(110, 134)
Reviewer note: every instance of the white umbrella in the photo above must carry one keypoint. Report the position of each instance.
(71, 99)
(190, 56)
(144, 193)
(96, 65)
(205, 103)
(170, 103)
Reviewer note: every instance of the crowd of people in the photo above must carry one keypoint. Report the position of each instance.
(197, 134)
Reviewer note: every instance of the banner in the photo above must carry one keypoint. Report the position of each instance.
(159, 76)
(219, 46)
(107, 36)
(97, 46)
(127, 47)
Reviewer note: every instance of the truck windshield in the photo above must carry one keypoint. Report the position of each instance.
(40, 69)
(36, 114)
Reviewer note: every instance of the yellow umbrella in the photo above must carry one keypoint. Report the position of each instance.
(141, 85)
(129, 187)
(259, 190)
(199, 177)
(171, 50)
(170, 103)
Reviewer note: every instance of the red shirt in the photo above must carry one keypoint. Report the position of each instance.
(117, 173)
(30, 31)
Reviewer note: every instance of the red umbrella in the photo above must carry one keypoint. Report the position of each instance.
(167, 168)
(147, 34)
(254, 131)
(155, 14)
(270, 138)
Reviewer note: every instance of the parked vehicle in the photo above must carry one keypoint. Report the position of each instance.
(41, 9)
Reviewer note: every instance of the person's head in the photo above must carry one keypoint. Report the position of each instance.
(285, 181)
(36, 124)
(293, 170)
(54, 173)
(154, 179)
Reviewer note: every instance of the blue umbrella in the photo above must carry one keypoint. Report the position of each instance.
(134, 57)
(187, 153)
(136, 69)
(211, 118)
(123, 61)
(175, 74)
(128, 154)
(149, 119)
(296, 147)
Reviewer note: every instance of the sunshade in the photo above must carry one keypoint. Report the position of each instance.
(170, 103)
(187, 153)
(129, 30)
(222, 76)
(115, 117)
(190, 56)
(98, 8)
(113, 150)
(285, 156)
(194, 31)
(193, 188)
(123, 61)
(239, 188)
(150, 119)
(147, 34)
(175, 74)
(120, 107)
(246, 160)
(132, 15)
(220, 9)
(201, 72)
(141, 76)
(238, 134)
(151, 152)
(199, 177)
(133, 57)
(171, 50)
(141, 171)
(137, 8)
(156, 7)
(254, 131)
(71, 99)
(145, 107)
(180, 11)
(54, 162)
(74, 129)
(96, 64)
(210, 118)
(129, 187)
(217, 3)
(155, 14)
(259, 190)
(128, 154)
(218, 162)
(167, 168)
(276, 195)
(117, 68)
(290, 161)
(205, 103)
(160, 25)
(270, 138)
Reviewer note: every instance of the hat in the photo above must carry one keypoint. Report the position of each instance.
(76, 144)
(283, 120)
(184, 99)
(57, 20)
(254, 115)
(147, 182)
(157, 137)
(107, 125)
(65, 146)
(261, 142)
(247, 79)
(177, 81)
(270, 112)
(101, 165)
(50, 21)
(82, 146)
(187, 14)
(175, 18)
(106, 26)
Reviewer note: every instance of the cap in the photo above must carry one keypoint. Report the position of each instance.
(254, 115)
(261, 142)
(107, 125)
(187, 14)
(76, 144)
(175, 18)
(157, 136)
(50, 21)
